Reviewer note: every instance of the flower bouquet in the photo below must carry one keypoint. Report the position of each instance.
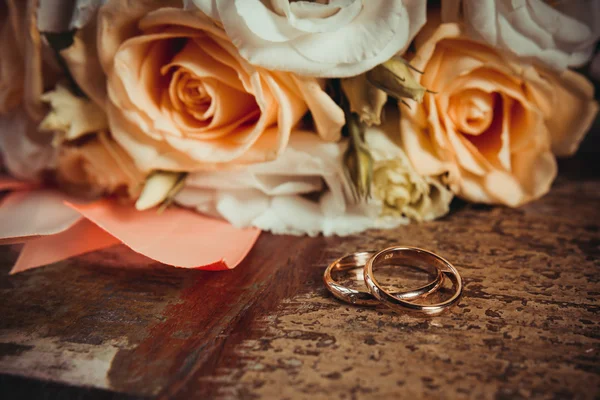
(184, 128)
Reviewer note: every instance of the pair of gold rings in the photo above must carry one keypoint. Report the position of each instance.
(398, 301)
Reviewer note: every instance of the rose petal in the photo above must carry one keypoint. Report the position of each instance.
(317, 17)
(560, 35)
(327, 115)
(371, 32)
(264, 23)
(372, 41)
(535, 168)
(562, 27)
(208, 7)
(118, 21)
(572, 111)
(418, 143)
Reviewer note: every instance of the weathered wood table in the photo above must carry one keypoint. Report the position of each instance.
(109, 325)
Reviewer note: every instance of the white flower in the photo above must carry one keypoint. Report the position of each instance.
(396, 183)
(282, 196)
(334, 38)
(557, 33)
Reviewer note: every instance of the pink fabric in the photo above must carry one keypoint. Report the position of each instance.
(176, 237)
(54, 228)
(83, 237)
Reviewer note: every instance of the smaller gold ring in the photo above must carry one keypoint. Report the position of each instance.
(357, 297)
(394, 254)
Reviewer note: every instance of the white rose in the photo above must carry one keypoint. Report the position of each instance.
(557, 33)
(324, 38)
(281, 196)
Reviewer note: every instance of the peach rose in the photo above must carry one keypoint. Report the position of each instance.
(181, 98)
(97, 167)
(495, 123)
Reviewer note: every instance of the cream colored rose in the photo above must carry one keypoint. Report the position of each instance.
(325, 38)
(181, 98)
(495, 123)
(396, 183)
(558, 34)
(303, 192)
(97, 167)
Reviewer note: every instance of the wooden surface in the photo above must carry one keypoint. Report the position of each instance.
(108, 325)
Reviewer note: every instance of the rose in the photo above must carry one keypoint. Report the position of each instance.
(97, 167)
(181, 98)
(401, 190)
(557, 33)
(335, 38)
(495, 122)
(281, 195)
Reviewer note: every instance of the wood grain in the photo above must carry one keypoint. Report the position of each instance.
(528, 326)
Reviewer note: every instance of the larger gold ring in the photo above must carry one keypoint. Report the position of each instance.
(398, 255)
(357, 297)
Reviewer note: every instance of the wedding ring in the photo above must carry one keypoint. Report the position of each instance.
(399, 256)
(357, 297)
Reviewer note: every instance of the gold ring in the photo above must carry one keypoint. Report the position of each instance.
(357, 297)
(393, 256)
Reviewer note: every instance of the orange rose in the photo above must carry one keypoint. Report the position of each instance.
(181, 98)
(496, 123)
